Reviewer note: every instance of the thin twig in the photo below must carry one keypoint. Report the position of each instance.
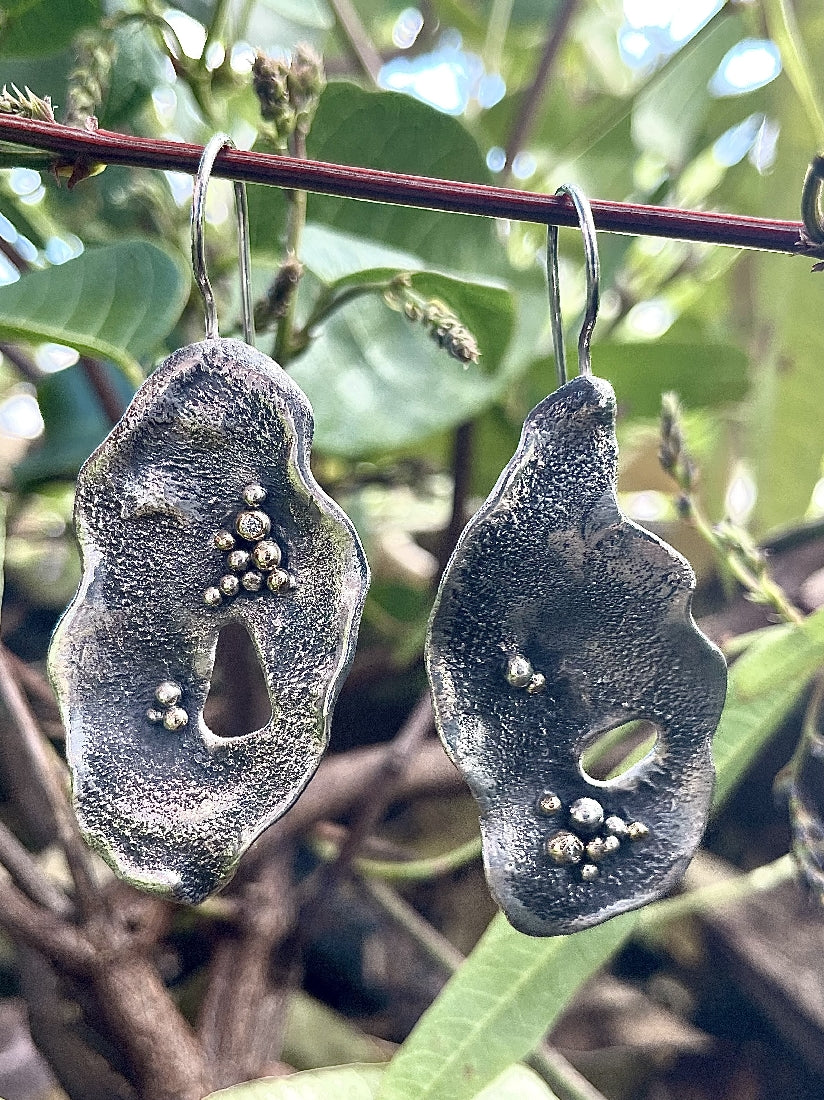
(28, 877)
(75, 146)
(461, 479)
(356, 36)
(107, 396)
(383, 785)
(28, 923)
(525, 119)
(15, 257)
(25, 366)
(42, 764)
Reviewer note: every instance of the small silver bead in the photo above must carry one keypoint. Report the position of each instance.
(549, 803)
(168, 693)
(212, 596)
(229, 585)
(238, 560)
(616, 826)
(637, 830)
(251, 581)
(253, 526)
(596, 849)
(586, 814)
(537, 683)
(611, 844)
(267, 555)
(154, 715)
(278, 580)
(254, 494)
(175, 718)
(565, 848)
(224, 540)
(589, 872)
(518, 671)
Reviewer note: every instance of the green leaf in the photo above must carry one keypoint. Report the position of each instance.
(765, 683)
(669, 113)
(116, 302)
(31, 28)
(496, 1009)
(73, 422)
(395, 132)
(511, 988)
(361, 1082)
(703, 375)
(379, 382)
(335, 257)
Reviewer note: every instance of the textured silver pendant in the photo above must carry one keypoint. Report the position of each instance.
(200, 509)
(558, 619)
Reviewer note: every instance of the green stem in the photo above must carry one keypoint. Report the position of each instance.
(784, 31)
(284, 341)
(719, 893)
(216, 24)
(496, 31)
(328, 302)
(413, 870)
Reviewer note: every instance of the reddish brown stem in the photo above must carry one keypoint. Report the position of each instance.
(83, 147)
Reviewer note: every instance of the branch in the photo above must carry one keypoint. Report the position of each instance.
(25, 922)
(42, 766)
(28, 877)
(525, 119)
(359, 41)
(84, 148)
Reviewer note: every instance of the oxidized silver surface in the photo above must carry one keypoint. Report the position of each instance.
(170, 804)
(549, 576)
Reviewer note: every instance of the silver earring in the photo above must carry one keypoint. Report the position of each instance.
(198, 510)
(557, 620)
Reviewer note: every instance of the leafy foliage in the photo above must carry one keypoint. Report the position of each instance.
(736, 335)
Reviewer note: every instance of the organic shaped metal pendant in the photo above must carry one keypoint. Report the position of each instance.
(557, 620)
(200, 509)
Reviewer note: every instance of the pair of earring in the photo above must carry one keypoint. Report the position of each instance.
(556, 620)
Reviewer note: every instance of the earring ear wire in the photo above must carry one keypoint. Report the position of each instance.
(593, 269)
(204, 171)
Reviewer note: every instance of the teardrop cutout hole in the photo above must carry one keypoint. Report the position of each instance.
(238, 701)
(617, 749)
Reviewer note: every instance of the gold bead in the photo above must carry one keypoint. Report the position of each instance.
(224, 540)
(251, 581)
(537, 683)
(278, 580)
(154, 715)
(212, 596)
(238, 560)
(267, 555)
(611, 844)
(254, 494)
(637, 830)
(229, 585)
(589, 872)
(168, 693)
(519, 671)
(564, 848)
(586, 814)
(616, 826)
(596, 849)
(253, 526)
(175, 718)
(549, 803)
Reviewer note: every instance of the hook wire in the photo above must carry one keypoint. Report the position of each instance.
(810, 209)
(204, 171)
(593, 266)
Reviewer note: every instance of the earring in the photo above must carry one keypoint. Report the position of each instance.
(198, 510)
(558, 620)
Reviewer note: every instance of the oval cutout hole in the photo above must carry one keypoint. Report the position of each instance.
(615, 750)
(238, 701)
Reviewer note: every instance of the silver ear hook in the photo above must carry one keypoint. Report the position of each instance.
(587, 222)
(204, 171)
